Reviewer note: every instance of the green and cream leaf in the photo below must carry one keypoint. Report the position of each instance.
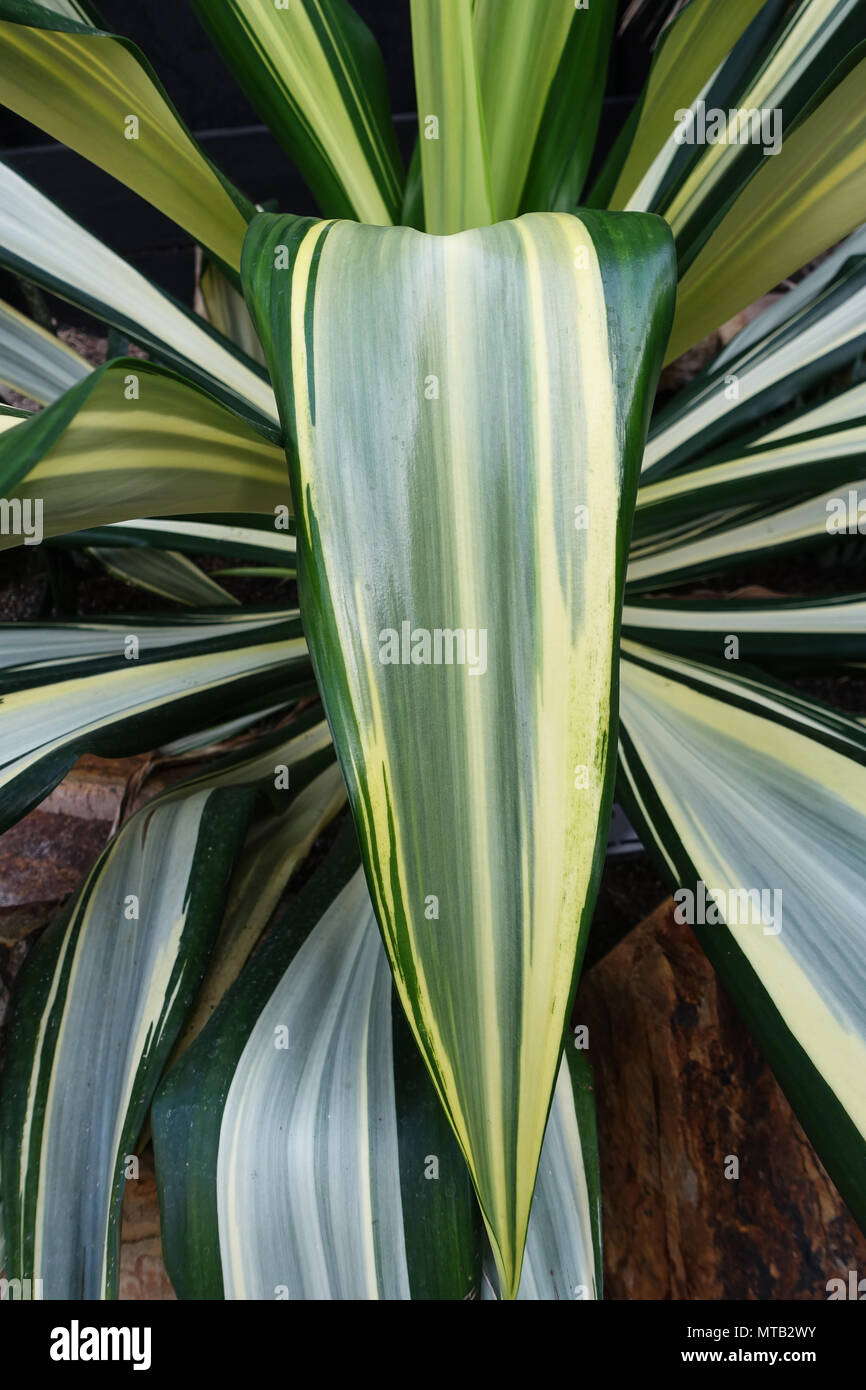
(419, 505)
(753, 800)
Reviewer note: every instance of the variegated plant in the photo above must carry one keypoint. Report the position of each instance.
(369, 1096)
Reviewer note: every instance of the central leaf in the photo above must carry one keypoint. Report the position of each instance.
(465, 417)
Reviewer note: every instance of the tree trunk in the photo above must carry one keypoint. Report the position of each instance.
(681, 1089)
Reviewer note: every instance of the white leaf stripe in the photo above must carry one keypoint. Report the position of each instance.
(203, 738)
(34, 653)
(41, 242)
(810, 342)
(190, 533)
(747, 788)
(496, 994)
(366, 1121)
(809, 195)
(801, 631)
(798, 53)
(824, 616)
(313, 1177)
(791, 465)
(275, 847)
(164, 572)
(788, 307)
(173, 858)
(690, 52)
(846, 406)
(34, 362)
(763, 531)
(55, 709)
(332, 1097)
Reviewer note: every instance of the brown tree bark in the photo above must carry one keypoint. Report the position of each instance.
(680, 1086)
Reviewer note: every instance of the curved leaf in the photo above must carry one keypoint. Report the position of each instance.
(303, 1174)
(313, 71)
(122, 686)
(148, 437)
(97, 93)
(754, 802)
(164, 572)
(809, 196)
(441, 471)
(45, 245)
(79, 1078)
(789, 633)
(41, 242)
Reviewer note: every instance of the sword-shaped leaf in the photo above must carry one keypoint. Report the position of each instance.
(301, 1150)
(125, 685)
(313, 71)
(97, 93)
(455, 168)
(566, 137)
(519, 44)
(98, 1005)
(713, 544)
(275, 847)
(256, 538)
(824, 447)
(785, 633)
(797, 204)
(166, 573)
(563, 1243)
(41, 242)
(791, 486)
(691, 49)
(137, 938)
(469, 413)
(135, 437)
(754, 802)
(814, 330)
(766, 85)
